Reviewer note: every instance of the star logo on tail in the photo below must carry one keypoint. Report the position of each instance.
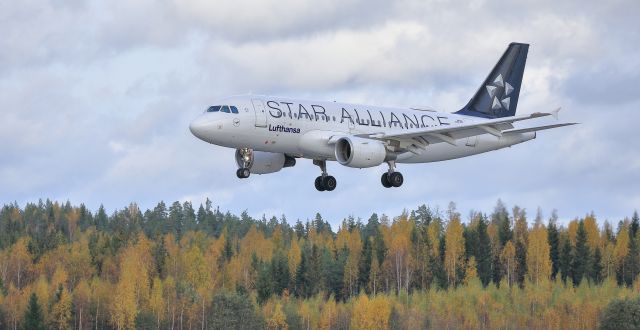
(499, 91)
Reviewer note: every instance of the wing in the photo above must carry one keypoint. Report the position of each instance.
(421, 137)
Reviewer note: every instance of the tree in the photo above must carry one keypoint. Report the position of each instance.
(156, 300)
(471, 272)
(521, 261)
(454, 253)
(81, 303)
(621, 315)
(364, 266)
(61, 312)
(500, 218)
(554, 244)
(565, 260)
(277, 320)
(33, 319)
(508, 258)
(620, 252)
(632, 259)
(370, 313)
(596, 267)
(125, 306)
(293, 256)
(280, 273)
(483, 254)
(303, 282)
(233, 311)
(538, 261)
(582, 258)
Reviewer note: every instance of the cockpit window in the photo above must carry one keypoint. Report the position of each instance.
(223, 108)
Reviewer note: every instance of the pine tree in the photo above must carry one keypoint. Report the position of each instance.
(632, 260)
(364, 266)
(33, 318)
(596, 267)
(303, 282)
(264, 285)
(280, 273)
(581, 260)
(565, 260)
(521, 262)
(554, 246)
(635, 224)
(483, 254)
(500, 218)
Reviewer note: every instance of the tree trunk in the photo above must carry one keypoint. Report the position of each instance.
(202, 313)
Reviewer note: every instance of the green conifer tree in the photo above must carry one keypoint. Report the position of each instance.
(582, 257)
(33, 318)
(483, 253)
(554, 245)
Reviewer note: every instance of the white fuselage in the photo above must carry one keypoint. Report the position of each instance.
(302, 128)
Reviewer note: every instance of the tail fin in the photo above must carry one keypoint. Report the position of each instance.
(498, 96)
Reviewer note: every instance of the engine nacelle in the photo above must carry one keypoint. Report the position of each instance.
(360, 153)
(261, 162)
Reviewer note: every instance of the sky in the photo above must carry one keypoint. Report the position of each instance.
(96, 98)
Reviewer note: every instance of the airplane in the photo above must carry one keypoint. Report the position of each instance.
(269, 133)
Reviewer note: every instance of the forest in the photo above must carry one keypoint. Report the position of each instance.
(178, 267)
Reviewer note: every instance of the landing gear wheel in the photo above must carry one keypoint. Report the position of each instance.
(329, 183)
(324, 182)
(243, 173)
(319, 185)
(385, 180)
(396, 179)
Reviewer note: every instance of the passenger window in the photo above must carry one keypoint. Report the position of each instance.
(225, 108)
(234, 109)
(214, 108)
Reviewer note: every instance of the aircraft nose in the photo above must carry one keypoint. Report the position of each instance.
(199, 127)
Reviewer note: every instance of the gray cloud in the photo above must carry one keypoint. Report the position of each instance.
(96, 97)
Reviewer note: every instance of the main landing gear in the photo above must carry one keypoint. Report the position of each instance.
(324, 182)
(392, 178)
(243, 172)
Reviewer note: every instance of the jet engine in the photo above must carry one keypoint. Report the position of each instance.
(358, 152)
(261, 162)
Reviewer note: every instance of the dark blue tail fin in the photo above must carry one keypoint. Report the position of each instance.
(498, 95)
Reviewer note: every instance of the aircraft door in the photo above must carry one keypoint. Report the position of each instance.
(261, 113)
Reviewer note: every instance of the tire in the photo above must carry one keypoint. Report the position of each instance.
(396, 179)
(319, 185)
(385, 180)
(243, 173)
(329, 183)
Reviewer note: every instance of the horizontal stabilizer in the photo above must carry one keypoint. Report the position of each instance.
(537, 128)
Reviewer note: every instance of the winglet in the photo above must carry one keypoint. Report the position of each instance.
(554, 113)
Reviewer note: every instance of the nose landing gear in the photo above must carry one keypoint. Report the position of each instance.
(324, 182)
(243, 173)
(244, 161)
(392, 178)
